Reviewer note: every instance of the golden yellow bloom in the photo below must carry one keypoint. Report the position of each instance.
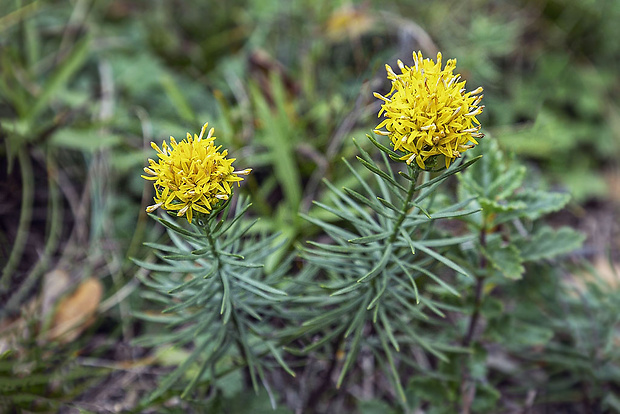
(427, 112)
(191, 175)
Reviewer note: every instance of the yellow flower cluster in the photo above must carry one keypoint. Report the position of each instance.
(427, 112)
(191, 175)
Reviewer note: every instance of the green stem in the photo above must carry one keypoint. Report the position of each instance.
(239, 337)
(478, 295)
(24, 220)
(214, 252)
(468, 386)
(412, 187)
(53, 238)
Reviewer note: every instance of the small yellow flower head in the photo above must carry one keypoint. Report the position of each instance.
(191, 175)
(428, 112)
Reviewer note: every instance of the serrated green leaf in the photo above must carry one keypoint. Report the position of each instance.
(548, 243)
(501, 206)
(540, 203)
(505, 184)
(504, 258)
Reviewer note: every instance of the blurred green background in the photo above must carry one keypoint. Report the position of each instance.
(86, 85)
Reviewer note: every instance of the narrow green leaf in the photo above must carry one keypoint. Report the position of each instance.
(449, 172)
(450, 241)
(371, 238)
(171, 379)
(232, 222)
(278, 357)
(226, 307)
(156, 267)
(360, 316)
(373, 168)
(388, 354)
(359, 178)
(279, 138)
(453, 214)
(62, 73)
(241, 263)
(187, 284)
(378, 268)
(325, 339)
(177, 228)
(352, 204)
(383, 148)
(388, 329)
(422, 341)
(441, 258)
(351, 354)
(348, 249)
(258, 284)
(411, 279)
(345, 214)
(388, 204)
(436, 279)
(374, 206)
(405, 234)
(334, 314)
(346, 289)
(183, 108)
(330, 228)
(380, 293)
(246, 350)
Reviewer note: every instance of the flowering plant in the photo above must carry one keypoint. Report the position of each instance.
(387, 277)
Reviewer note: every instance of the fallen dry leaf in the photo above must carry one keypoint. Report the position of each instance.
(76, 311)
